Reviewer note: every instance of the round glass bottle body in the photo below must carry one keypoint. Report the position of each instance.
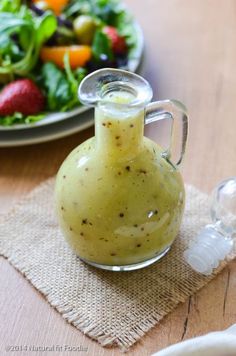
(119, 200)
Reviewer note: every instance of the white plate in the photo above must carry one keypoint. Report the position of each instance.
(47, 133)
(53, 118)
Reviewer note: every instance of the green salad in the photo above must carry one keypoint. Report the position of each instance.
(47, 48)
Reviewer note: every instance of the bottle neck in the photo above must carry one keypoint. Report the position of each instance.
(119, 135)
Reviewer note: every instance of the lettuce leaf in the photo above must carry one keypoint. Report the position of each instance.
(101, 46)
(10, 5)
(56, 86)
(61, 87)
(18, 118)
(32, 33)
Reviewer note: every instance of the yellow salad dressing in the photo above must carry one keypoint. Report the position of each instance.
(119, 202)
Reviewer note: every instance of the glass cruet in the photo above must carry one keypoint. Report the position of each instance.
(119, 195)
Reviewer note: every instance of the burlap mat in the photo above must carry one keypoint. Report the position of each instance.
(112, 308)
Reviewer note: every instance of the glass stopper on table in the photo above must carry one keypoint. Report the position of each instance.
(215, 241)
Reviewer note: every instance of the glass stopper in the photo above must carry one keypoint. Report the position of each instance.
(215, 241)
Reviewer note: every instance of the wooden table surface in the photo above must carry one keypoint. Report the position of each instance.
(190, 56)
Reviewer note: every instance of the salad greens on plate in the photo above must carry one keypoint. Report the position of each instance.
(47, 48)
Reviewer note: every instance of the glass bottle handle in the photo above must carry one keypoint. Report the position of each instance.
(174, 111)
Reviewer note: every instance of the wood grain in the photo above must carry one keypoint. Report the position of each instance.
(190, 56)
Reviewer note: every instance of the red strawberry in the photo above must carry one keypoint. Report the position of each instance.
(21, 96)
(118, 42)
